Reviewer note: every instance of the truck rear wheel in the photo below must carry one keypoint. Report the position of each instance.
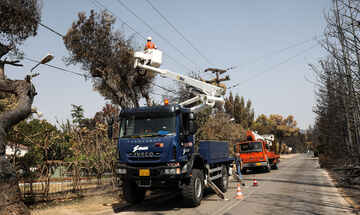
(132, 193)
(193, 192)
(224, 180)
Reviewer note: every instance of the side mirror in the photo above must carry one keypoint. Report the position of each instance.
(192, 116)
(234, 148)
(110, 128)
(192, 127)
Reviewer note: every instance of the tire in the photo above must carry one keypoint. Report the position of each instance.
(132, 193)
(193, 192)
(243, 171)
(224, 180)
(274, 166)
(268, 167)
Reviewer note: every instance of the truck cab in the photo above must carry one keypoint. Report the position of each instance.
(158, 139)
(255, 153)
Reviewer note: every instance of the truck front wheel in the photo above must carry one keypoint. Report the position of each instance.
(268, 168)
(243, 171)
(132, 193)
(193, 192)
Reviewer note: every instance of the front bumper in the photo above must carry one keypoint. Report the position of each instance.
(152, 173)
(255, 164)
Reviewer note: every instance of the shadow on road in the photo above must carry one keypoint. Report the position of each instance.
(169, 201)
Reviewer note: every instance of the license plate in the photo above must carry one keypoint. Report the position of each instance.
(144, 172)
(258, 164)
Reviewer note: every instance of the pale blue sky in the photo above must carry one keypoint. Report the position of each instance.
(227, 32)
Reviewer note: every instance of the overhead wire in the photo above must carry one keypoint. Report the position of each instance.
(83, 75)
(175, 29)
(157, 33)
(273, 67)
(102, 7)
(59, 68)
(50, 29)
(272, 53)
(161, 87)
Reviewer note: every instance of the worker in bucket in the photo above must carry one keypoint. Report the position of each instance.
(149, 44)
(238, 163)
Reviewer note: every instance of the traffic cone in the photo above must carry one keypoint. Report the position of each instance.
(239, 194)
(254, 181)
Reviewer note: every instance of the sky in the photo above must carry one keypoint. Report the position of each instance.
(228, 33)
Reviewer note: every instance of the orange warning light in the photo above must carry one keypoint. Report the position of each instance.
(166, 102)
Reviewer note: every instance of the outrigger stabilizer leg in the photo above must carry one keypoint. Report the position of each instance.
(218, 192)
(237, 178)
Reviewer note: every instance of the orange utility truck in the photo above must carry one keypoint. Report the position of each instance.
(255, 152)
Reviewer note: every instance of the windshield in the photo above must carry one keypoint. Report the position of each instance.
(147, 126)
(250, 147)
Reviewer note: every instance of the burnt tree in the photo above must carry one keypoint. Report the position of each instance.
(18, 20)
(108, 58)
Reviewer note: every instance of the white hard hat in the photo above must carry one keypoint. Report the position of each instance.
(148, 38)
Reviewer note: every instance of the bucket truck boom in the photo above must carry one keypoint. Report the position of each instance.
(206, 93)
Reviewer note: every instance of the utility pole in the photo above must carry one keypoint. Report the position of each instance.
(217, 72)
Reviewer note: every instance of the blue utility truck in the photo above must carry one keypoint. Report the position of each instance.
(156, 147)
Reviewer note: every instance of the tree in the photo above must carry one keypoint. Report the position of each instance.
(219, 127)
(338, 84)
(249, 115)
(108, 58)
(262, 125)
(236, 109)
(229, 105)
(18, 20)
(281, 127)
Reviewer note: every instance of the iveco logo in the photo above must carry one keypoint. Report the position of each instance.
(138, 147)
(143, 154)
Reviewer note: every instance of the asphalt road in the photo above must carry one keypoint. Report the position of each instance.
(299, 186)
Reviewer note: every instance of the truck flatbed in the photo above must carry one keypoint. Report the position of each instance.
(214, 151)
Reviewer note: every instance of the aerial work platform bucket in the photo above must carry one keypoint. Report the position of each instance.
(150, 57)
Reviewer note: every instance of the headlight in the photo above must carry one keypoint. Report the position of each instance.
(120, 171)
(172, 171)
(167, 171)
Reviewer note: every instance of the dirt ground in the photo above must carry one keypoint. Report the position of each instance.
(88, 205)
(350, 193)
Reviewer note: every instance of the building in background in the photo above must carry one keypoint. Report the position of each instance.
(12, 148)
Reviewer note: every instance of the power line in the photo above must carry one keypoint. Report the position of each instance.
(158, 34)
(273, 67)
(163, 88)
(50, 29)
(197, 50)
(273, 53)
(102, 7)
(86, 76)
(59, 68)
